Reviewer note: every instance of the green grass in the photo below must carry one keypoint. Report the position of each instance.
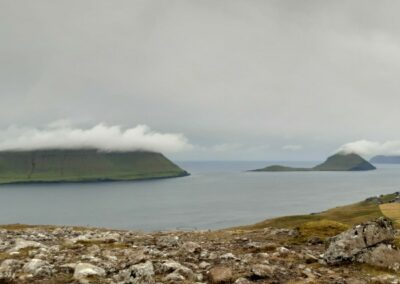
(348, 215)
(84, 165)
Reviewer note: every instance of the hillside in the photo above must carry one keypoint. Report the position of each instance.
(83, 165)
(345, 162)
(380, 159)
(337, 162)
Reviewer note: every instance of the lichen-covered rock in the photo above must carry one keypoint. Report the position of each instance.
(382, 255)
(263, 271)
(349, 244)
(138, 274)
(8, 269)
(37, 267)
(171, 266)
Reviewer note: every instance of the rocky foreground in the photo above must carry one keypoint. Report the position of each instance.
(363, 254)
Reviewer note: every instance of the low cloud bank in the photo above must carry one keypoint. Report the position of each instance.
(101, 136)
(372, 148)
(292, 147)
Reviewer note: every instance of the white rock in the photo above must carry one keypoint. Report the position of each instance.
(204, 264)
(228, 256)
(37, 267)
(21, 244)
(142, 273)
(83, 270)
(174, 276)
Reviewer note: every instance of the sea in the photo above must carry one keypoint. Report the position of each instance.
(216, 195)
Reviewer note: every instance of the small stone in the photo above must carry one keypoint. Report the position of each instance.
(242, 280)
(191, 247)
(204, 264)
(283, 251)
(228, 256)
(174, 277)
(263, 270)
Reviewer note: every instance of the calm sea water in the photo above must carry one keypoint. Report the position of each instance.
(216, 195)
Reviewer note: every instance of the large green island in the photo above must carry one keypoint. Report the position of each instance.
(84, 165)
(337, 162)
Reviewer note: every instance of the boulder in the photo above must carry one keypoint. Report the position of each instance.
(8, 268)
(173, 266)
(21, 244)
(348, 245)
(37, 267)
(142, 273)
(191, 247)
(168, 241)
(263, 271)
(383, 255)
(174, 277)
(220, 274)
(84, 270)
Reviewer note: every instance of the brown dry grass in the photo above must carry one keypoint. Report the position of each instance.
(391, 210)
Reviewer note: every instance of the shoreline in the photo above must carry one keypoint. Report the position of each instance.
(105, 180)
(287, 249)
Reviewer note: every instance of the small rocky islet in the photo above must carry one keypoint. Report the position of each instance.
(337, 162)
(318, 250)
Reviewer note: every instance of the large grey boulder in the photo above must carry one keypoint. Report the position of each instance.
(382, 255)
(351, 244)
(37, 267)
(142, 273)
(8, 269)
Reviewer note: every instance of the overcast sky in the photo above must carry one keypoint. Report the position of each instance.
(238, 80)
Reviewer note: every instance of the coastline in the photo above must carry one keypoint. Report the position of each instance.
(277, 250)
(97, 180)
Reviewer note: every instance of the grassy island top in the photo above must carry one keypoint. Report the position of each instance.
(84, 165)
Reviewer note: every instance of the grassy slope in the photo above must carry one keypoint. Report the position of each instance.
(349, 162)
(348, 215)
(83, 165)
(325, 224)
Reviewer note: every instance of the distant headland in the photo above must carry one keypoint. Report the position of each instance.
(381, 159)
(337, 162)
(84, 165)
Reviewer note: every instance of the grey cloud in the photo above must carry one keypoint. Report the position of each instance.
(315, 73)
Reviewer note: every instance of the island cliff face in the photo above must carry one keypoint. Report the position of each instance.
(337, 162)
(84, 165)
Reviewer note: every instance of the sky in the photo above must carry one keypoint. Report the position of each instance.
(202, 80)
